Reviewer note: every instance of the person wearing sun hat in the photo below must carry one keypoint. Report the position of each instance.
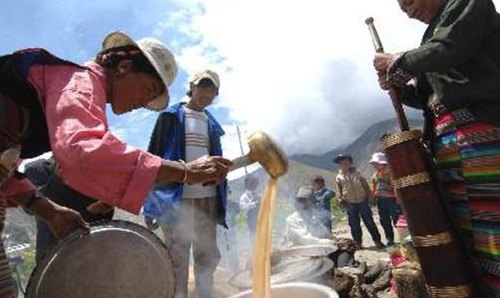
(188, 213)
(385, 197)
(126, 74)
(50, 104)
(162, 62)
(303, 227)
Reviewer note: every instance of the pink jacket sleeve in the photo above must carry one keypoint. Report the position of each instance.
(92, 160)
(13, 187)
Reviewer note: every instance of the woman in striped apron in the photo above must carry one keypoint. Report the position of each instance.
(457, 84)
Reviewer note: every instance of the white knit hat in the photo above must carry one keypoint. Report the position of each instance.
(157, 54)
(379, 158)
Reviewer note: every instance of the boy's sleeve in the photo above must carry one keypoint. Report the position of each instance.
(157, 140)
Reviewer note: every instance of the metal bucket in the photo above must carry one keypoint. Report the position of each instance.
(295, 290)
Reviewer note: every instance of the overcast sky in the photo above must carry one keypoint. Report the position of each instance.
(300, 70)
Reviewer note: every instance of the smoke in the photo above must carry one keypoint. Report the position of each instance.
(300, 70)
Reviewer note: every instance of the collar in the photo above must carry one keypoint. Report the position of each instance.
(351, 170)
(97, 70)
(178, 110)
(321, 190)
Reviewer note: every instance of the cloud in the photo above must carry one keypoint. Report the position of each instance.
(300, 70)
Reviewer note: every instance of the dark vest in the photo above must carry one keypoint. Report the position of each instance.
(20, 99)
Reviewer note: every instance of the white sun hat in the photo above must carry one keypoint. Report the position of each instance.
(157, 54)
(206, 74)
(379, 158)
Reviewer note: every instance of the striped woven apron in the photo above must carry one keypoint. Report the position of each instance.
(468, 159)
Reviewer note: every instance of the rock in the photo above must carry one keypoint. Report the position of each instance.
(342, 283)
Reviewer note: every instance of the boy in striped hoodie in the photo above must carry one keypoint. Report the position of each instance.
(383, 192)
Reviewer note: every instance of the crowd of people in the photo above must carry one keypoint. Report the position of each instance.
(50, 104)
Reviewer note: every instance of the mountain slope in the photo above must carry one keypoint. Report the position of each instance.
(361, 149)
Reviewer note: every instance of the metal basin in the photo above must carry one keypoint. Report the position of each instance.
(295, 290)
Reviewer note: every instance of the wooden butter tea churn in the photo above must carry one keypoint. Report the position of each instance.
(442, 258)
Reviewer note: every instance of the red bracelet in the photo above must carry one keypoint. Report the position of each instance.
(183, 163)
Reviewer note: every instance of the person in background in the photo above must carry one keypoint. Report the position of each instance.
(43, 173)
(249, 203)
(324, 198)
(353, 193)
(188, 213)
(303, 227)
(383, 192)
(453, 76)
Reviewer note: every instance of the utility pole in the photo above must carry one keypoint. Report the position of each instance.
(241, 146)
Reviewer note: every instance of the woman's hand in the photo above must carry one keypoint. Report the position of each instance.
(382, 81)
(61, 220)
(208, 170)
(382, 62)
(64, 220)
(99, 207)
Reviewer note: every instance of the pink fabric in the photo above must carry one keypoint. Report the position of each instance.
(92, 160)
(401, 223)
(13, 187)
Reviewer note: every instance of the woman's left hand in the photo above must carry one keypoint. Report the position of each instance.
(64, 220)
(382, 62)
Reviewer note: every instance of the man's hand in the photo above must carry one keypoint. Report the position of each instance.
(208, 170)
(64, 220)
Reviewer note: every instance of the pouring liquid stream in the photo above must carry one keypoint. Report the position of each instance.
(262, 252)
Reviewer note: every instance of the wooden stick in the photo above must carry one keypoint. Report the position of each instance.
(377, 44)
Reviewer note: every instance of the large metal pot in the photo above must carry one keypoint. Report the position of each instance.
(295, 290)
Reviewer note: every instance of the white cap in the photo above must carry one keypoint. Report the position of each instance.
(379, 158)
(206, 74)
(305, 192)
(157, 54)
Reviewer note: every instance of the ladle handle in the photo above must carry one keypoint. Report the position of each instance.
(240, 162)
(377, 44)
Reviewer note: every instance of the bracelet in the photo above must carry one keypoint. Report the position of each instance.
(183, 163)
(396, 75)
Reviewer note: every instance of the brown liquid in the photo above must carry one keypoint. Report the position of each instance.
(262, 250)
